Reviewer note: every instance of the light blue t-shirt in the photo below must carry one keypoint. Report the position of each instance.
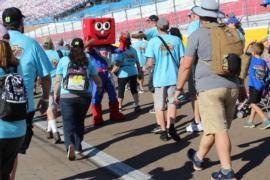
(140, 47)
(62, 70)
(127, 61)
(150, 33)
(166, 69)
(193, 26)
(64, 51)
(11, 129)
(54, 59)
(33, 62)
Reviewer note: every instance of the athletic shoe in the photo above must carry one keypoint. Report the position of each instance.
(157, 130)
(248, 124)
(141, 91)
(120, 109)
(57, 138)
(152, 111)
(265, 124)
(220, 176)
(49, 134)
(193, 127)
(71, 153)
(172, 132)
(78, 152)
(197, 165)
(137, 109)
(164, 136)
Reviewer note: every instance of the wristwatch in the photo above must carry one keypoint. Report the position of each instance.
(179, 89)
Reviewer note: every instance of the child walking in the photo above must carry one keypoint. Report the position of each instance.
(257, 79)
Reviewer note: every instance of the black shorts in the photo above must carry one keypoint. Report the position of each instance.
(254, 96)
(9, 149)
(132, 80)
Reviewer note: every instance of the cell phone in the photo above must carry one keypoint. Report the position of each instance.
(181, 98)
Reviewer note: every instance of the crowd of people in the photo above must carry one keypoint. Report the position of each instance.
(74, 77)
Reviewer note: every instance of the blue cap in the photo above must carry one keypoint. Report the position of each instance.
(233, 20)
(265, 3)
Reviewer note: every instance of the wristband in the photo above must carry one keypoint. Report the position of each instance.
(179, 89)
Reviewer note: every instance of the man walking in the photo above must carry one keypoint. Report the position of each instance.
(165, 51)
(217, 94)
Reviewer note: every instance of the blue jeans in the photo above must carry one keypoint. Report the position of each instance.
(73, 112)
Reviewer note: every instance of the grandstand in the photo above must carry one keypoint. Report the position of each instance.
(129, 14)
(37, 9)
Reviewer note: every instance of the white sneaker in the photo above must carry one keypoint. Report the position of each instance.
(194, 127)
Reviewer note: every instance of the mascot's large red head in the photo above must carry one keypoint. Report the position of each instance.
(102, 30)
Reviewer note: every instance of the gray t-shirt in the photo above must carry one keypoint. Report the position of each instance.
(200, 42)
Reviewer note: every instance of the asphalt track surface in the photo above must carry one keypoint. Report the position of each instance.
(132, 143)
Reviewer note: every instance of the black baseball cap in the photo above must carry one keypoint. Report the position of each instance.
(153, 18)
(77, 42)
(11, 15)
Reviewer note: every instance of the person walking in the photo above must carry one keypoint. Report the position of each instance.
(217, 94)
(11, 132)
(127, 68)
(165, 51)
(33, 62)
(73, 90)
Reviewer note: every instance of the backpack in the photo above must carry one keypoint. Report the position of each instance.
(227, 49)
(13, 97)
(76, 79)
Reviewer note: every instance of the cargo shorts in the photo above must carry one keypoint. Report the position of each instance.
(217, 108)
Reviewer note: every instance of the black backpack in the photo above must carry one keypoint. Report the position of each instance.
(13, 97)
(76, 79)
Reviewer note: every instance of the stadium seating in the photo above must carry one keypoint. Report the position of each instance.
(36, 9)
(136, 14)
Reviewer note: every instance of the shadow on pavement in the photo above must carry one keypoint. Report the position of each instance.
(93, 175)
(254, 156)
(151, 155)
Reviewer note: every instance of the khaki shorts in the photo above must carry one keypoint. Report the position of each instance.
(163, 97)
(217, 107)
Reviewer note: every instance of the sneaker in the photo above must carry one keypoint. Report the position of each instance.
(77, 152)
(152, 111)
(120, 109)
(141, 91)
(193, 127)
(197, 165)
(172, 132)
(57, 138)
(220, 176)
(137, 109)
(248, 124)
(71, 153)
(157, 130)
(265, 124)
(164, 136)
(49, 134)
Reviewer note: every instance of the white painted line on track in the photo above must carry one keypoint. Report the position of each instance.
(102, 159)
